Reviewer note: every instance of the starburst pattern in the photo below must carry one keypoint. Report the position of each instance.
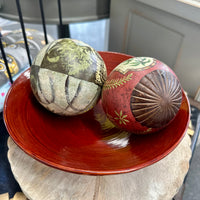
(156, 99)
(121, 118)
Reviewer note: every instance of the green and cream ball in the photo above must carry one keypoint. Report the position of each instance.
(67, 76)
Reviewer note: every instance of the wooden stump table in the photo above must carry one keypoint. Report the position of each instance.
(160, 181)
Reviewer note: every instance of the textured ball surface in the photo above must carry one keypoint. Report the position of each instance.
(141, 95)
(67, 76)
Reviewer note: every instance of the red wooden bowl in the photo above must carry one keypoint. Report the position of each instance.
(88, 143)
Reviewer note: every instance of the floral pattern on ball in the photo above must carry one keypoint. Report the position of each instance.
(135, 64)
(145, 92)
(67, 76)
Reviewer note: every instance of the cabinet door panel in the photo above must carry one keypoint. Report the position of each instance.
(149, 38)
(146, 30)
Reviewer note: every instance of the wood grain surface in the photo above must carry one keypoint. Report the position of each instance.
(158, 181)
(17, 196)
(4, 196)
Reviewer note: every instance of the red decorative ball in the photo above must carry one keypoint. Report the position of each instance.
(141, 95)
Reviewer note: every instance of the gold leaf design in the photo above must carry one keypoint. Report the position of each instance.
(53, 59)
(12, 64)
(114, 83)
(101, 73)
(106, 124)
(121, 118)
(112, 135)
(78, 56)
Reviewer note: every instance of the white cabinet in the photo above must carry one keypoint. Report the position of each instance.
(168, 30)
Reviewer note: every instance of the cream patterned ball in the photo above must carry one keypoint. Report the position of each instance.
(67, 77)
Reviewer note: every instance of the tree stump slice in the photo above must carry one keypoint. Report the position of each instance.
(19, 196)
(160, 181)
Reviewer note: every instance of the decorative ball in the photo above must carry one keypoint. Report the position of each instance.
(67, 77)
(141, 95)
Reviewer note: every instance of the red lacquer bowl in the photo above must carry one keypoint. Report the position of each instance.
(87, 143)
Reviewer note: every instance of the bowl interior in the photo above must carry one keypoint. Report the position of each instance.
(87, 143)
